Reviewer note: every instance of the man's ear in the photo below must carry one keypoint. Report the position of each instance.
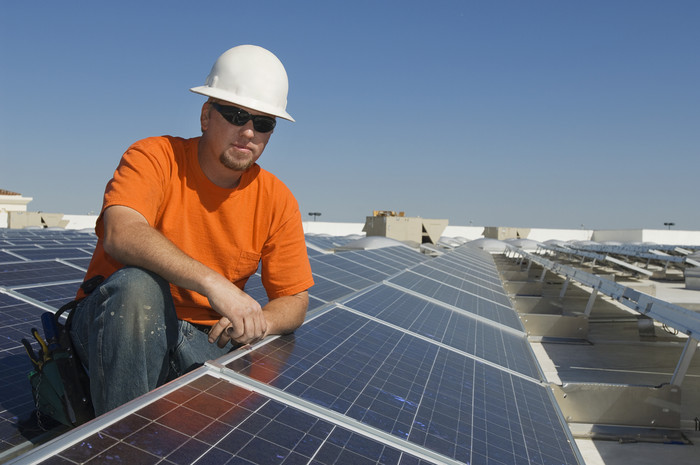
(204, 117)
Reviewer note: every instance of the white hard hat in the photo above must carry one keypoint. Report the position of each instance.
(249, 76)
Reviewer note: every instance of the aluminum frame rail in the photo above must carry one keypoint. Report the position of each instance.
(679, 318)
(583, 254)
(640, 252)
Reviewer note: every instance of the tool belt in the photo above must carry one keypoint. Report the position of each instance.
(59, 382)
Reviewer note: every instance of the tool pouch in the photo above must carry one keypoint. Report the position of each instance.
(61, 387)
(48, 393)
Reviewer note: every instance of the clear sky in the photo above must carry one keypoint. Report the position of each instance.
(552, 114)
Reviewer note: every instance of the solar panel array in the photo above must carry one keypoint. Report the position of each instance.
(39, 270)
(403, 359)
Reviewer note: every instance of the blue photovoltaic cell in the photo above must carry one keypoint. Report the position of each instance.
(17, 404)
(449, 327)
(212, 421)
(327, 242)
(312, 252)
(413, 389)
(353, 267)
(400, 255)
(460, 299)
(51, 253)
(463, 282)
(256, 290)
(485, 273)
(327, 290)
(22, 273)
(54, 295)
(7, 257)
(320, 266)
(79, 262)
(364, 258)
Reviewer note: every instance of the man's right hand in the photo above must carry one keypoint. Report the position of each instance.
(243, 320)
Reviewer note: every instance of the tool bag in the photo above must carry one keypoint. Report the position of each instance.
(60, 384)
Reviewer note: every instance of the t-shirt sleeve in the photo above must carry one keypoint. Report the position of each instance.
(285, 262)
(139, 180)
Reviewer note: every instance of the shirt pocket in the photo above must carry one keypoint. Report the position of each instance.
(246, 265)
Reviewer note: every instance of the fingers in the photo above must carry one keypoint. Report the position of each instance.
(242, 320)
(218, 329)
(249, 330)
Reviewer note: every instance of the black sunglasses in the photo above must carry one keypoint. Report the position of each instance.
(239, 117)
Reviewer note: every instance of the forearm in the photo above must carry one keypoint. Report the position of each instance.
(136, 243)
(285, 314)
(131, 240)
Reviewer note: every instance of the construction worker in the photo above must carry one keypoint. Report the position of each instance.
(183, 225)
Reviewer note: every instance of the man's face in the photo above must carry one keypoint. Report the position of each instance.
(237, 147)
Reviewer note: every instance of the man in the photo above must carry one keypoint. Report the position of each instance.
(183, 225)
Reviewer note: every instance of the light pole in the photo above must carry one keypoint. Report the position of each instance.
(669, 225)
(314, 214)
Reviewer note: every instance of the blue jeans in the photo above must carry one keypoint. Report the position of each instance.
(127, 335)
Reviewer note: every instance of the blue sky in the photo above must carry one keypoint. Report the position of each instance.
(551, 114)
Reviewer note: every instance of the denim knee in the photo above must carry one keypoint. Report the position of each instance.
(141, 299)
(132, 306)
(125, 332)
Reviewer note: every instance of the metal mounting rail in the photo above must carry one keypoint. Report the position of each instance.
(682, 319)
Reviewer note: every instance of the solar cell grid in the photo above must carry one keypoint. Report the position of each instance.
(402, 255)
(254, 288)
(17, 320)
(339, 275)
(36, 272)
(484, 274)
(54, 295)
(328, 242)
(6, 257)
(358, 269)
(210, 420)
(327, 290)
(366, 259)
(81, 263)
(49, 253)
(410, 388)
(463, 300)
(16, 403)
(463, 282)
(504, 348)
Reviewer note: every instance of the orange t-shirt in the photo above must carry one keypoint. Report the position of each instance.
(229, 230)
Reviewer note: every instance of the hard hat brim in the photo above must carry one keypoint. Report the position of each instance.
(242, 101)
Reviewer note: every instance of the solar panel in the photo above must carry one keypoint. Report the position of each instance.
(372, 260)
(33, 272)
(210, 420)
(53, 295)
(18, 318)
(401, 255)
(461, 299)
(508, 349)
(354, 267)
(331, 267)
(392, 366)
(413, 389)
(469, 284)
(48, 253)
